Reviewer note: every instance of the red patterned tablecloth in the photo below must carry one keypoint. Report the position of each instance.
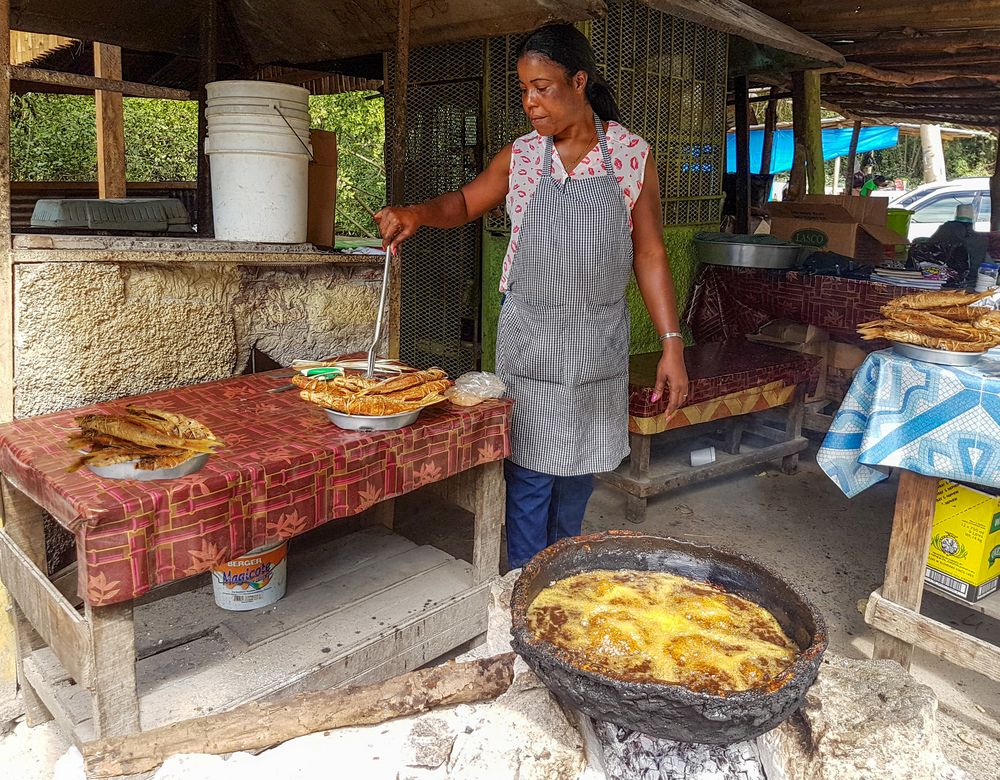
(284, 471)
(731, 302)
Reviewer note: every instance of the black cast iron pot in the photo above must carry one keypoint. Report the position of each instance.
(671, 711)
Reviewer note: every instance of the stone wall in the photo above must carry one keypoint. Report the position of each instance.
(88, 332)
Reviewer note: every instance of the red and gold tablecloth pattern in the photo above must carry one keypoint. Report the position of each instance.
(731, 302)
(717, 370)
(284, 471)
(756, 399)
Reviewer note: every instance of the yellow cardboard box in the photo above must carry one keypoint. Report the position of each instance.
(965, 541)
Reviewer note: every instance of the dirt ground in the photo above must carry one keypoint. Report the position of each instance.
(830, 547)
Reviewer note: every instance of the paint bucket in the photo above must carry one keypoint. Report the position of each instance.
(251, 581)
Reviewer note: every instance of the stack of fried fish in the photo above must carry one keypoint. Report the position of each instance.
(359, 395)
(938, 320)
(155, 439)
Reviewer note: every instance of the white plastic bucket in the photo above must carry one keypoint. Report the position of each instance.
(251, 581)
(259, 159)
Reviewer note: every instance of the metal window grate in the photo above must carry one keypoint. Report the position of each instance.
(439, 307)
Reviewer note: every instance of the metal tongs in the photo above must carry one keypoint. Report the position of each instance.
(373, 350)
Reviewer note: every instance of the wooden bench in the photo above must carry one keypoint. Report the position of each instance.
(143, 644)
(730, 383)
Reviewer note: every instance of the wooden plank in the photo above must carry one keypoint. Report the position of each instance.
(793, 424)
(68, 701)
(638, 462)
(813, 133)
(264, 724)
(110, 124)
(908, 548)
(46, 609)
(911, 629)
(680, 475)
(490, 505)
(130, 88)
(989, 606)
(6, 260)
(770, 121)
(115, 700)
(186, 256)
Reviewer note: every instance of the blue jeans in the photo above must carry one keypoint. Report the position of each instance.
(541, 510)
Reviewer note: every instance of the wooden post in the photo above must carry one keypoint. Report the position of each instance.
(813, 134)
(995, 190)
(398, 179)
(209, 54)
(770, 121)
(110, 124)
(797, 176)
(908, 546)
(741, 90)
(852, 158)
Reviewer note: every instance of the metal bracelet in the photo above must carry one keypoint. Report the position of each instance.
(671, 335)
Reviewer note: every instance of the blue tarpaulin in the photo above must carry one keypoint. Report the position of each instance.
(836, 143)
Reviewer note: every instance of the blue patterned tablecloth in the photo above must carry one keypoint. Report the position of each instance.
(935, 420)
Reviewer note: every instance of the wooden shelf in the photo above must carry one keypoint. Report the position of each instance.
(362, 607)
(989, 606)
(47, 248)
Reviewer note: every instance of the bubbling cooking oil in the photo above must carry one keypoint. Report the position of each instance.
(648, 626)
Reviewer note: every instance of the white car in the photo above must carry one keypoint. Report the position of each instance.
(934, 204)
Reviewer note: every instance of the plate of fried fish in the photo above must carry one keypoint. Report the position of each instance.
(141, 443)
(938, 327)
(360, 403)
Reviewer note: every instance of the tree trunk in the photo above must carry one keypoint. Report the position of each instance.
(933, 152)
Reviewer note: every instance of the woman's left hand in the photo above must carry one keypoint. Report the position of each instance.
(671, 375)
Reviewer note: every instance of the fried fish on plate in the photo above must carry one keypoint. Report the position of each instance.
(937, 300)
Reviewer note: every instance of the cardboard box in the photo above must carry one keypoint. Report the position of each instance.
(321, 224)
(964, 558)
(796, 337)
(845, 224)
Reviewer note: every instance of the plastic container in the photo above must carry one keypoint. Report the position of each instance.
(251, 581)
(986, 277)
(898, 221)
(259, 161)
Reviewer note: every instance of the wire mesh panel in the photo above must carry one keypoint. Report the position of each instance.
(440, 274)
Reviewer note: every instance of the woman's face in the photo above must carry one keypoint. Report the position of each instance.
(551, 99)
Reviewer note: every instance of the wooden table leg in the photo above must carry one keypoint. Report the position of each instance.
(23, 522)
(639, 446)
(793, 428)
(908, 548)
(113, 692)
(490, 501)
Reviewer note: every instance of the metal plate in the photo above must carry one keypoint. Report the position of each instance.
(731, 253)
(942, 357)
(128, 470)
(357, 422)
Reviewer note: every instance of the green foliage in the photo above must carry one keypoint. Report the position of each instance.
(358, 119)
(53, 138)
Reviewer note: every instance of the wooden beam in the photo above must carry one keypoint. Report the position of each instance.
(852, 158)
(398, 181)
(995, 189)
(897, 77)
(6, 259)
(262, 724)
(130, 88)
(208, 34)
(110, 124)
(909, 542)
(921, 44)
(770, 122)
(741, 198)
(813, 134)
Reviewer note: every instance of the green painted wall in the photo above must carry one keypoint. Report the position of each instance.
(680, 250)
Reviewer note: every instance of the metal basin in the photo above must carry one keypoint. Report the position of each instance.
(746, 254)
(661, 710)
(129, 470)
(358, 422)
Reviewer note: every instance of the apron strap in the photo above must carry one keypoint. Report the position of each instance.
(547, 158)
(602, 141)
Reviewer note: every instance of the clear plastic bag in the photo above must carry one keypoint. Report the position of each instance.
(475, 387)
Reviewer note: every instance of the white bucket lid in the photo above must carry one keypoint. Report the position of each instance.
(251, 89)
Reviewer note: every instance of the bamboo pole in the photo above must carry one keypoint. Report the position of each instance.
(110, 113)
(742, 196)
(398, 181)
(130, 88)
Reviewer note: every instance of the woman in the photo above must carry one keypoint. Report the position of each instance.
(584, 203)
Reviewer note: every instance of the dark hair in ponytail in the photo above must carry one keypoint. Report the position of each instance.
(567, 46)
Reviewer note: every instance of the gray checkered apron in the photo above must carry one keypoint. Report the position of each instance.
(563, 335)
